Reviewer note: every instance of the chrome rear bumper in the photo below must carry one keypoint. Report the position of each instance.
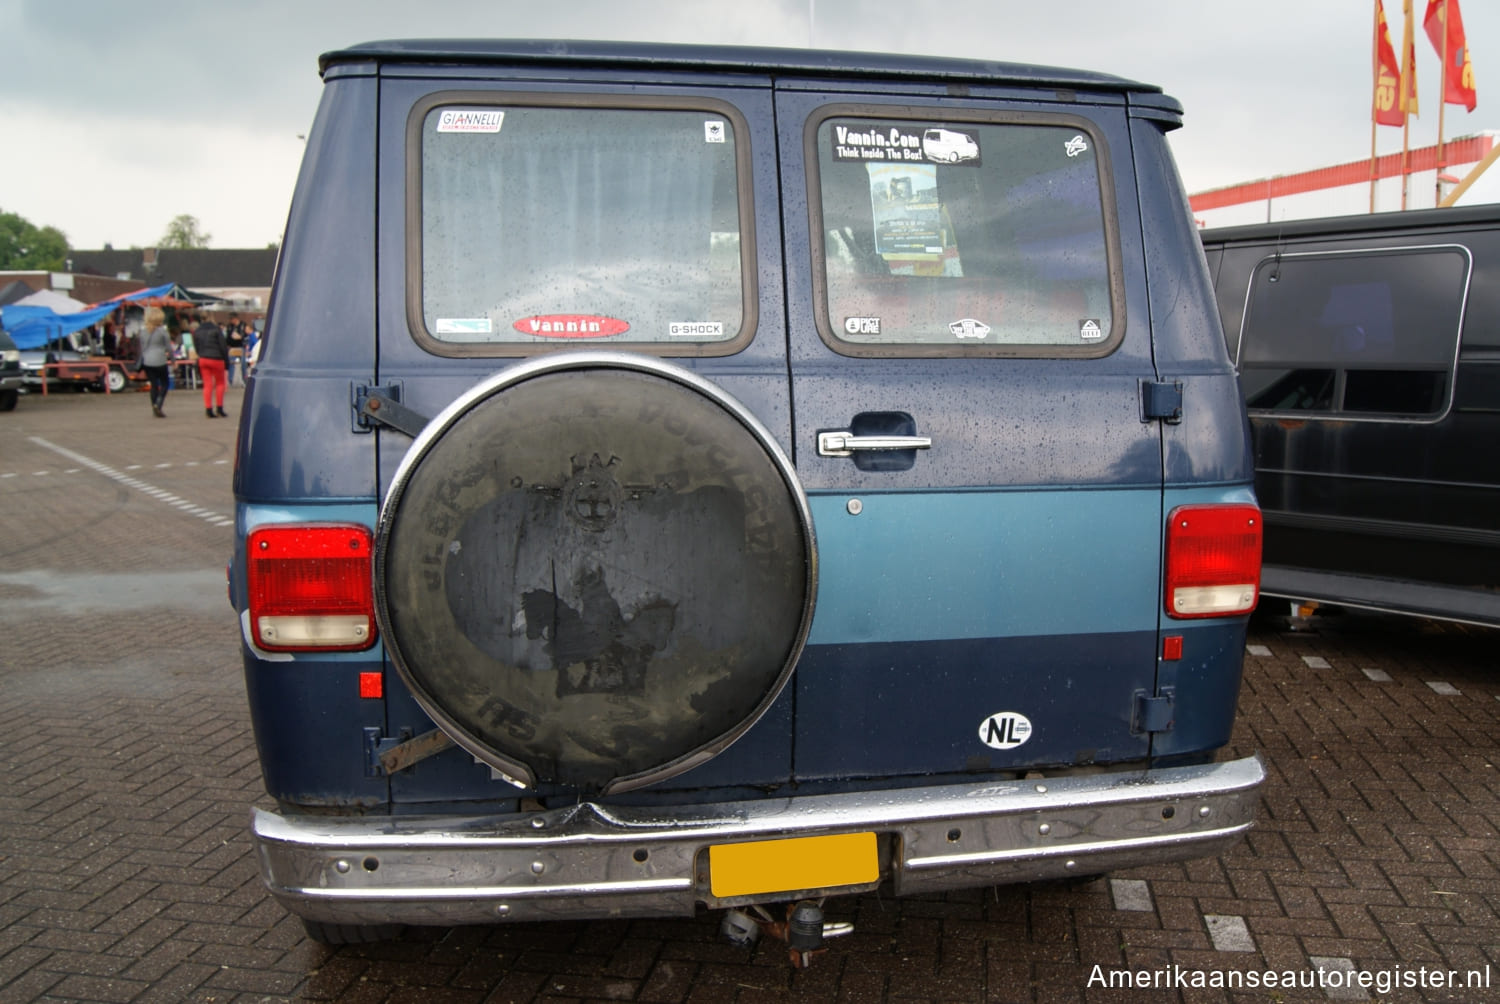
(590, 860)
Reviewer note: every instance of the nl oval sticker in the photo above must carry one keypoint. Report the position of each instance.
(1005, 730)
(571, 326)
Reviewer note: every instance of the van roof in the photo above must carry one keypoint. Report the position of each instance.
(745, 59)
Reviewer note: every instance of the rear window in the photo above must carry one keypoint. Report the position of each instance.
(984, 236)
(1356, 334)
(593, 221)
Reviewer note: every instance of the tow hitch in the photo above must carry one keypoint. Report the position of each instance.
(804, 929)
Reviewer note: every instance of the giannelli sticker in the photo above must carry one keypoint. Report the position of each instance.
(1005, 730)
(571, 326)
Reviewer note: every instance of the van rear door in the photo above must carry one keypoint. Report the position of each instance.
(968, 338)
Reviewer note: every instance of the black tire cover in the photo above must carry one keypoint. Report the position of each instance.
(595, 570)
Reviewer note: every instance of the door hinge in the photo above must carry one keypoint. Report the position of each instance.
(1154, 713)
(381, 405)
(1161, 400)
(384, 755)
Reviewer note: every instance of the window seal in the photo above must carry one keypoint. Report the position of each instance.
(749, 287)
(1114, 269)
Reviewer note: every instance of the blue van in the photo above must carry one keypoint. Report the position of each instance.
(666, 485)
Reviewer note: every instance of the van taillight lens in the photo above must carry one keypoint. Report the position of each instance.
(1213, 560)
(310, 587)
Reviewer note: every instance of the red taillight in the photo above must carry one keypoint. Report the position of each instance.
(1213, 560)
(310, 587)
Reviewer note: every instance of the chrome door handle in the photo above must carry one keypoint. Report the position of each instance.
(844, 444)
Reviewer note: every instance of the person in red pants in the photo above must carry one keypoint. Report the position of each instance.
(213, 357)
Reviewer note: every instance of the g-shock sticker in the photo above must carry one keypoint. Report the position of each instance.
(695, 329)
(969, 328)
(571, 326)
(1090, 330)
(1005, 730)
(486, 120)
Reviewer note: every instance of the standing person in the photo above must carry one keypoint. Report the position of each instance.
(156, 357)
(234, 337)
(213, 358)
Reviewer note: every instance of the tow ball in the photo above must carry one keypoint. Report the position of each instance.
(803, 930)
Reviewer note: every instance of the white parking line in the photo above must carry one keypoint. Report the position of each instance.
(160, 494)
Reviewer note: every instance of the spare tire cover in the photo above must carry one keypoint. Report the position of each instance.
(595, 570)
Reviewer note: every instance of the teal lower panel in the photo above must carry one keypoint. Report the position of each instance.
(983, 564)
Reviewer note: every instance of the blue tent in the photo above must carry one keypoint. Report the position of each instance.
(34, 327)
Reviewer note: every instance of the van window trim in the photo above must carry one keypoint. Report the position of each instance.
(1114, 262)
(1357, 416)
(416, 321)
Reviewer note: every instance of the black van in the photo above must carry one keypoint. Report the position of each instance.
(670, 481)
(1369, 352)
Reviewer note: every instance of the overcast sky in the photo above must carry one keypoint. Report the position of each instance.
(116, 117)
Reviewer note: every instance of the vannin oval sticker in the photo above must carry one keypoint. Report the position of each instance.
(571, 326)
(1005, 730)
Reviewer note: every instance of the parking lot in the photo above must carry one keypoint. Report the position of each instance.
(128, 770)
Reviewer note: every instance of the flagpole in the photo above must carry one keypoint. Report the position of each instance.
(1437, 199)
(1375, 69)
(1408, 72)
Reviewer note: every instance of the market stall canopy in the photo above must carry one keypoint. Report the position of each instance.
(59, 303)
(33, 325)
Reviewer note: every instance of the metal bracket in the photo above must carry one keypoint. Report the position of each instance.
(384, 755)
(1161, 401)
(1154, 713)
(382, 406)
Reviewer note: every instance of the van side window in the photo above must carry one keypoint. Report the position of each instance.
(1355, 333)
(981, 237)
(565, 224)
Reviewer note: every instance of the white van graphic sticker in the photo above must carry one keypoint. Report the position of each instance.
(1089, 330)
(969, 328)
(571, 326)
(1005, 730)
(905, 144)
(470, 120)
(1076, 145)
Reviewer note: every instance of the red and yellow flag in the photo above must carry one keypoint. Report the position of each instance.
(1386, 110)
(1459, 72)
(1406, 97)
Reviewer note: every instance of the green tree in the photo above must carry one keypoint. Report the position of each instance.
(23, 245)
(184, 233)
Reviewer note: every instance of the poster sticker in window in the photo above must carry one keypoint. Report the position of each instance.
(481, 120)
(908, 217)
(905, 145)
(463, 326)
(571, 326)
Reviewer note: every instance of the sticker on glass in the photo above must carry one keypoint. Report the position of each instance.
(463, 326)
(1005, 730)
(470, 120)
(1076, 145)
(906, 144)
(969, 328)
(713, 131)
(696, 329)
(1090, 330)
(571, 326)
(862, 325)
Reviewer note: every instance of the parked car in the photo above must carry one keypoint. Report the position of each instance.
(1370, 360)
(637, 513)
(101, 372)
(11, 376)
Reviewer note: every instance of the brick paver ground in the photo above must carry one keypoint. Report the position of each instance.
(127, 770)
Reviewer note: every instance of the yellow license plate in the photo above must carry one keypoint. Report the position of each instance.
(795, 863)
